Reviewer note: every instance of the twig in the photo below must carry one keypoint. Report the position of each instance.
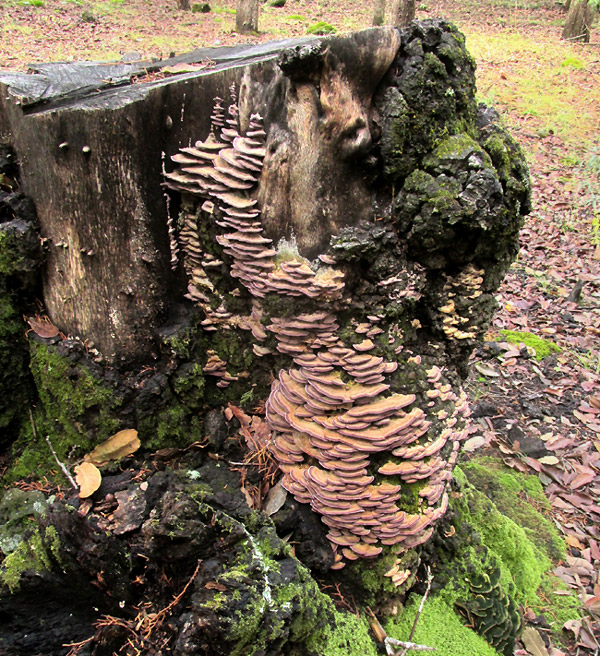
(407, 645)
(58, 462)
(419, 611)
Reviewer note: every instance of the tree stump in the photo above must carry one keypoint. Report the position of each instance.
(315, 228)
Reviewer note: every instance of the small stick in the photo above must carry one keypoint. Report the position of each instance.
(58, 462)
(419, 611)
(63, 467)
(408, 645)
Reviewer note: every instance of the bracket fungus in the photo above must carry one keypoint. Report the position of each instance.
(348, 442)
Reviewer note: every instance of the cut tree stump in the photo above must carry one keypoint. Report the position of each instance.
(309, 233)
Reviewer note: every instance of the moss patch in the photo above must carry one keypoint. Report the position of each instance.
(520, 559)
(520, 498)
(35, 553)
(438, 627)
(78, 413)
(542, 347)
(508, 526)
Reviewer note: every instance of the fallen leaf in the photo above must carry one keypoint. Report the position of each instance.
(486, 371)
(177, 69)
(43, 329)
(533, 642)
(88, 478)
(119, 445)
(582, 479)
(213, 585)
(549, 460)
(275, 499)
(249, 498)
(574, 626)
(593, 605)
(572, 541)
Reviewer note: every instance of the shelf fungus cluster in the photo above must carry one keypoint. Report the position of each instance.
(374, 463)
(466, 286)
(351, 449)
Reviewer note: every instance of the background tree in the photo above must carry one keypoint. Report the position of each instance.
(403, 12)
(379, 12)
(246, 19)
(580, 19)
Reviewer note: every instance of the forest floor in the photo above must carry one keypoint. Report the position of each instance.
(539, 415)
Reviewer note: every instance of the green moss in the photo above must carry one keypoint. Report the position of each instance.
(557, 603)
(321, 27)
(348, 635)
(77, 411)
(514, 533)
(454, 147)
(542, 347)
(520, 560)
(11, 257)
(34, 553)
(170, 426)
(498, 151)
(519, 497)
(438, 627)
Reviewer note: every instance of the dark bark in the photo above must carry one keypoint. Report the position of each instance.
(579, 21)
(183, 4)
(246, 17)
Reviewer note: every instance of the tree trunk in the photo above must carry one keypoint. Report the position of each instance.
(580, 18)
(403, 12)
(183, 4)
(379, 13)
(246, 18)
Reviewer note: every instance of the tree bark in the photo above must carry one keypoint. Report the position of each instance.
(379, 13)
(183, 4)
(246, 18)
(580, 18)
(403, 12)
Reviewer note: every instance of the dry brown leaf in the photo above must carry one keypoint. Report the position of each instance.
(533, 642)
(88, 478)
(119, 445)
(43, 329)
(593, 605)
(582, 479)
(549, 460)
(213, 585)
(275, 499)
(572, 541)
(177, 69)
(473, 443)
(249, 498)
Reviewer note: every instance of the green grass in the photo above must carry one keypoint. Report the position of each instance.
(535, 78)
